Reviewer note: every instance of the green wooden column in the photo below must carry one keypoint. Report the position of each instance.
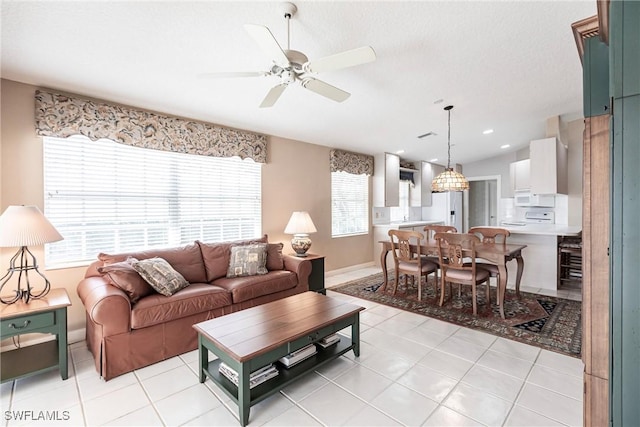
(625, 207)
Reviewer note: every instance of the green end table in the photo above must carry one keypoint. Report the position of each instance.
(316, 278)
(48, 316)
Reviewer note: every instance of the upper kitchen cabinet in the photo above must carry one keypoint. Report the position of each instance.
(520, 173)
(548, 166)
(545, 172)
(386, 180)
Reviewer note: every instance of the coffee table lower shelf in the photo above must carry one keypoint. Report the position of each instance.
(285, 375)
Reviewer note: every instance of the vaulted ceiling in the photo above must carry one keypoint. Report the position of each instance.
(504, 65)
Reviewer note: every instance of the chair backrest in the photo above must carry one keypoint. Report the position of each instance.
(456, 248)
(431, 230)
(491, 234)
(402, 241)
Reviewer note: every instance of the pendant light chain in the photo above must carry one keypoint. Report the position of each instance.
(449, 141)
(449, 180)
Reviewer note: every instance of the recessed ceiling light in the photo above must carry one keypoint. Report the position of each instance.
(433, 160)
(399, 151)
(438, 101)
(505, 146)
(487, 132)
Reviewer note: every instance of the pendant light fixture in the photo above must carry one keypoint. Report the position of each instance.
(449, 180)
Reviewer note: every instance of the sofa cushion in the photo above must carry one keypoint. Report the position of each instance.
(122, 275)
(216, 256)
(248, 260)
(275, 261)
(194, 299)
(160, 275)
(186, 260)
(249, 287)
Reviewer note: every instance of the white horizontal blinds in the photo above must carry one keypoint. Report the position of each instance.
(349, 204)
(108, 197)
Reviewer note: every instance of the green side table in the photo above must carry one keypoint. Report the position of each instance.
(316, 278)
(48, 316)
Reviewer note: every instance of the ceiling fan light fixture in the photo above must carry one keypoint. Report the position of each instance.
(449, 180)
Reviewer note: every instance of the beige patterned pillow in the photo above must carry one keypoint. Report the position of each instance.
(248, 260)
(160, 275)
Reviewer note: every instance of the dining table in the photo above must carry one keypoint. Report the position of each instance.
(494, 253)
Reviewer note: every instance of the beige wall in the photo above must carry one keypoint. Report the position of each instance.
(296, 177)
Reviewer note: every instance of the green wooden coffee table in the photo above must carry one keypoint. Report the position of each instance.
(250, 339)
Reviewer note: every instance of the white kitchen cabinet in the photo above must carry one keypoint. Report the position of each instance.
(386, 180)
(426, 177)
(548, 166)
(520, 173)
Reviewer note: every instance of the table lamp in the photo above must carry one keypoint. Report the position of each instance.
(22, 226)
(300, 225)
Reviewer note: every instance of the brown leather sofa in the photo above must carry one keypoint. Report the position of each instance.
(123, 336)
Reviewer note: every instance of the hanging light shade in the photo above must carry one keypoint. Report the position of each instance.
(449, 180)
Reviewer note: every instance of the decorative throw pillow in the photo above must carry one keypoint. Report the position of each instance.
(160, 275)
(122, 275)
(248, 260)
(275, 261)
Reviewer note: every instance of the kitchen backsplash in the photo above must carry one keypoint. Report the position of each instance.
(509, 212)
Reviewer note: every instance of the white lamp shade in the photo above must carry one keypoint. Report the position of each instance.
(26, 226)
(300, 223)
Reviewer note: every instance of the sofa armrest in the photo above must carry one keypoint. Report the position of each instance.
(300, 266)
(106, 305)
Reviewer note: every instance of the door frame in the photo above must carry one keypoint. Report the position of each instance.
(465, 204)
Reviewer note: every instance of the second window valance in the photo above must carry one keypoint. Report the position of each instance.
(354, 163)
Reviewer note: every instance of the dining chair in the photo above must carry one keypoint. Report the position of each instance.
(408, 259)
(492, 235)
(431, 230)
(453, 250)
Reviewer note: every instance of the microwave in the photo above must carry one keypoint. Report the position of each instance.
(526, 198)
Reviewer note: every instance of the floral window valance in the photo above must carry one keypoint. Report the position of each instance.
(62, 116)
(355, 163)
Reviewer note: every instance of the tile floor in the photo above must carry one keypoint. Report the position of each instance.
(413, 371)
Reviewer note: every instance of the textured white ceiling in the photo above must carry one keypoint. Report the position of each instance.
(505, 65)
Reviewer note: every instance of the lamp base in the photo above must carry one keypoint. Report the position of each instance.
(301, 244)
(23, 270)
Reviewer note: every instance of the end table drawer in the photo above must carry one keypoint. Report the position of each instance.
(25, 324)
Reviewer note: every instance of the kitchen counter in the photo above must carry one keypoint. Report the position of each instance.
(544, 229)
(406, 224)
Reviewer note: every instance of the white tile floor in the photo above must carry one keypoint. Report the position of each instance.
(413, 371)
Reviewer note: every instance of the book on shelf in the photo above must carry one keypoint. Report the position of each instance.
(255, 378)
(298, 355)
(329, 340)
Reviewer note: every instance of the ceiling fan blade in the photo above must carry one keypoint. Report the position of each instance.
(230, 74)
(262, 35)
(325, 89)
(345, 59)
(273, 95)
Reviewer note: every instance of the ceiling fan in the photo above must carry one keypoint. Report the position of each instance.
(292, 66)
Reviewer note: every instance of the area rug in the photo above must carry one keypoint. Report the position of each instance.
(547, 322)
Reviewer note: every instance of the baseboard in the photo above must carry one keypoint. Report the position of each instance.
(76, 335)
(348, 269)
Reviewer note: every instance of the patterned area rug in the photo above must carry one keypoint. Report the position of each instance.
(547, 322)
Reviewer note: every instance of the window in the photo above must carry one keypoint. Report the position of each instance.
(401, 212)
(108, 197)
(349, 204)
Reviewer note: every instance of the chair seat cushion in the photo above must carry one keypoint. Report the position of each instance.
(465, 275)
(427, 266)
(491, 268)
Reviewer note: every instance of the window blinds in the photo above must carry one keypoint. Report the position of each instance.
(349, 204)
(108, 197)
